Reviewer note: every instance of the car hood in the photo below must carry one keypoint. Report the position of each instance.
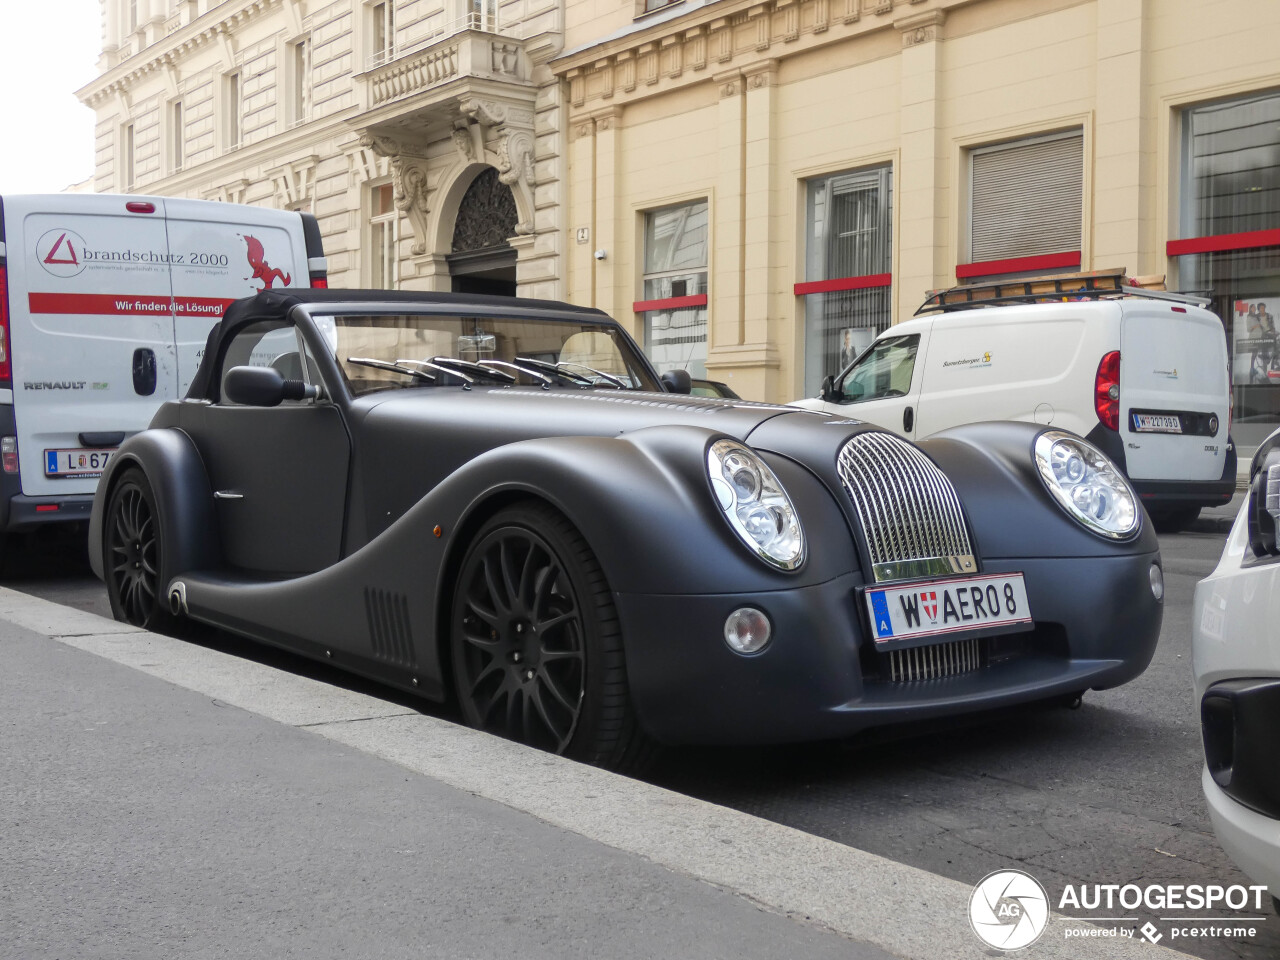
(506, 414)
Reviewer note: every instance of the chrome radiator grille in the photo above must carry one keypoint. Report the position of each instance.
(909, 511)
(931, 663)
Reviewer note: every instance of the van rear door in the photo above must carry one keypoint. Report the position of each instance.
(1173, 392)
(91, 331)
(220, 253)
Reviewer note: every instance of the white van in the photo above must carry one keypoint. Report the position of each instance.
(1140, 374)
(105, 306)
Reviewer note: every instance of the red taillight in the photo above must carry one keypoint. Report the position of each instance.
(47, 507)
(1106, 391)
(9, 454)
(6, 371)
(140, 206)
(319, 283)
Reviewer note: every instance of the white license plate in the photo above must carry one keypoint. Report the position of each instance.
(1156, 423)
(75, 463)
(955, 605)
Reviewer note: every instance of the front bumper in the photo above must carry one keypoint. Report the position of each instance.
(1251, 839)
(1096, 626)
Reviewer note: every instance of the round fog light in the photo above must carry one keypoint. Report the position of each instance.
(1157, 581)
(747, 631)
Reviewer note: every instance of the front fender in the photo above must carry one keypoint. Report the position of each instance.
(184, 501)
(1010, 511)
(644, 503)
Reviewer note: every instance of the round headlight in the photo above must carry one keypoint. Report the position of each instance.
(755, 504)
(1087, 485)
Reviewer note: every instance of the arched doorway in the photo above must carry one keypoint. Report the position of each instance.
(482, 261)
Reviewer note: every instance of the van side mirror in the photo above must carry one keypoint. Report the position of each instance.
(677, 381)
(829, 394)
(263, 387)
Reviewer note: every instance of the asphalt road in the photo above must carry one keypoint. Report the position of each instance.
(1107, 794)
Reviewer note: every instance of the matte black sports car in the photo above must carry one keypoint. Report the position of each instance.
(496, 499)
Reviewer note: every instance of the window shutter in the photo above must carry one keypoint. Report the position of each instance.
(1027, 199)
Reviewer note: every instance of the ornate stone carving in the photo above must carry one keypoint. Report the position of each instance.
(821, 15)
(410, 189)
(626, 72)
(729, 89)
(921, 28)
(515, 169)
(463, 142)
(487, 215)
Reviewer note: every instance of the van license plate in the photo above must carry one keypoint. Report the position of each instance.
(75, 463)
(1156, 423)
(929, 608)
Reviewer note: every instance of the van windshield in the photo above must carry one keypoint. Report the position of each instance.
(883, 371)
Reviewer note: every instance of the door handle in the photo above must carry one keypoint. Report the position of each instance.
(144, 372)
(908, 420)
(227, 495)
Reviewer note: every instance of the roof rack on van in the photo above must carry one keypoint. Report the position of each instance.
(1098, 285)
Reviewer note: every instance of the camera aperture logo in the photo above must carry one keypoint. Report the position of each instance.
(1009, 910)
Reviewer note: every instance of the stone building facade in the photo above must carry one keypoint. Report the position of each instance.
(401, 124)
(773, 181)
(755, 187)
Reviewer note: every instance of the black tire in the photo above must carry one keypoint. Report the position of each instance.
(131, 554)
(536, 645)
(1171, 521)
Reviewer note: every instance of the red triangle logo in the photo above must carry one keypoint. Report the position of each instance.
(71, 253)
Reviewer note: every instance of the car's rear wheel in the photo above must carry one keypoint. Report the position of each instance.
(536, 644)
(131, 554)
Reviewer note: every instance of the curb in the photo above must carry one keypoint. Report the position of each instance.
(901, 909)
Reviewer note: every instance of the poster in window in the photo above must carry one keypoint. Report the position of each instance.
(853, 340)
(1254, 336)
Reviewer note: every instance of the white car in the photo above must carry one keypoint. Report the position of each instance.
(1236, 656)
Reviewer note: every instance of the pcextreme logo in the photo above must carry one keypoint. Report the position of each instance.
(1009, 910)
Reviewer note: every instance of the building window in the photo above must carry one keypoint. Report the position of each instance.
(848, 259)
(482, 15)
(648, 6)
(300, 57)
(675, 288)
(127, 157)
(384, 236)
(232, 110)
(1230, 248)
(177, 137)
(382, 33)
(1026, 206)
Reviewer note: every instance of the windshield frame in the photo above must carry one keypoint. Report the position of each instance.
(632, 356)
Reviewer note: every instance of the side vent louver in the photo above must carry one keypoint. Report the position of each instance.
(389, 627)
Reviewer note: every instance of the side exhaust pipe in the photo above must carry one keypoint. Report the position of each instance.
(178, 599)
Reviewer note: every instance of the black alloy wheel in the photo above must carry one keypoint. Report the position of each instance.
(131, 554)
(537, 650)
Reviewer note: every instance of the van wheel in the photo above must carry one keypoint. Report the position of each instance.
(1171, 521)
(131, 554)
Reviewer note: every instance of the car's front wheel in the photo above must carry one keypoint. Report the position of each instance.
(131, 554)
(536, 645)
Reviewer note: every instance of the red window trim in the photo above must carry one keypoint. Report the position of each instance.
(1223, 241)
(866, 282)
(670, 303)
(1047, 261)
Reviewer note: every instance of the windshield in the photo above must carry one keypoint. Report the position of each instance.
(883, 371)
(395, 352)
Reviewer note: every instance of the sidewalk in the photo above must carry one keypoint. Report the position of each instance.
(162, 799)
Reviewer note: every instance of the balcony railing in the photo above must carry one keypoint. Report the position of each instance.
(449, 56)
